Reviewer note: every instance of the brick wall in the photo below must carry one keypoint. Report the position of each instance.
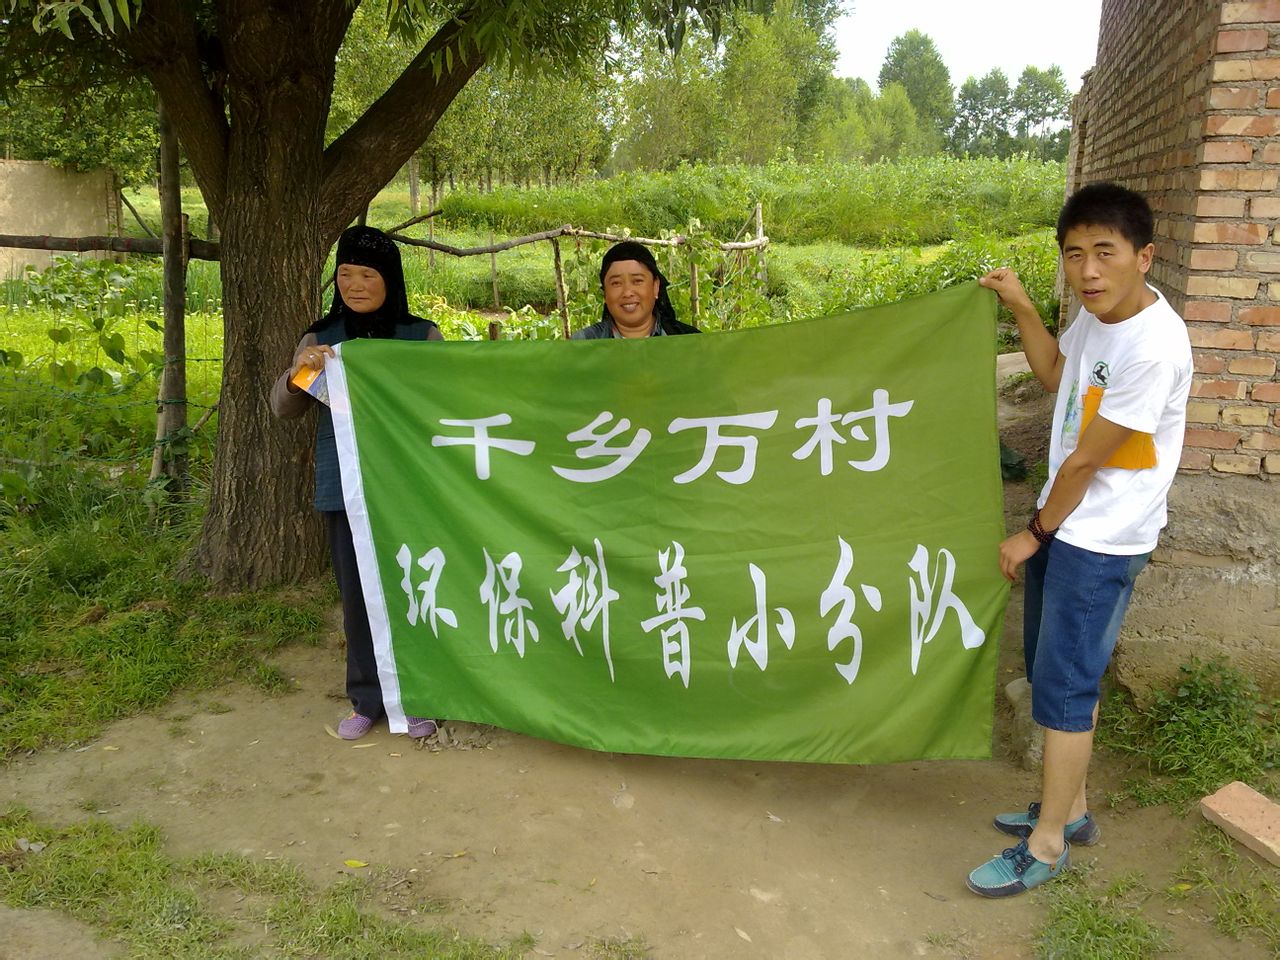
(1183, 105)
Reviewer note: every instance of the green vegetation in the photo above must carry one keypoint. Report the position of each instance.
(1211, 728)
(123, 884)
(1088, 921)
(95, 621)
(1241, 893)
(922, 200)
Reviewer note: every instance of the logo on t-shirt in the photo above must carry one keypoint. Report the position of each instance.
(1100, 374)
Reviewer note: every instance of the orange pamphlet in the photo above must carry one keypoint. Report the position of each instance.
(313, 382)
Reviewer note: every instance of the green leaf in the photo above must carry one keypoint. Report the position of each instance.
(59, 334)
(108, 14)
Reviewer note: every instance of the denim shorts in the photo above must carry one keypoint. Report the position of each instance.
(1075, 601)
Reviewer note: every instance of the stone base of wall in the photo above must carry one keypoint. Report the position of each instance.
(1212, 588)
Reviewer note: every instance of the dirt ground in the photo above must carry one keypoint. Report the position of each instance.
(700, 859)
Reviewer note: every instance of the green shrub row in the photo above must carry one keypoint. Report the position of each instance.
(922, 200)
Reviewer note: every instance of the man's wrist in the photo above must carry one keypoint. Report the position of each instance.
(1037, 530)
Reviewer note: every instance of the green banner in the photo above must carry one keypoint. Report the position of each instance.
(779, 543)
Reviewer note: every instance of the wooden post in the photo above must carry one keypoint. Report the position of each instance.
(414, 201)
(167, 459)
(562, 300)
(495, 329)
(493, 274)
(694, 306)
(763, 275)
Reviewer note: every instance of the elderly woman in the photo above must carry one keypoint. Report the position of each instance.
(635, 297)
(369, 300)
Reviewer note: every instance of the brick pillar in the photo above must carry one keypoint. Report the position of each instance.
(1233, 291)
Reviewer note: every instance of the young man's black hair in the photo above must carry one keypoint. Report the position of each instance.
(1108, 205)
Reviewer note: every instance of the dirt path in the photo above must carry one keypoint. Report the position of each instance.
(701, 859)
(516, 834)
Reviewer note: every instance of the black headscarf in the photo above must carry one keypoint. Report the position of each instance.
(367, 247)
(664, 314)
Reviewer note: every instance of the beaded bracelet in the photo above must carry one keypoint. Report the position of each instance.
(1042, 535)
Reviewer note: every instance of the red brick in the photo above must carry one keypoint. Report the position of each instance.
(1253, 367)
(1195, 460)
(1218, 389)
(1239, 288)
(1271, 463)
(1221, 339)
(1271, 153)
(1219, 232)
(1265, 208)
(1201, 411)
(1265, 392)
(1239, 179)
(1268, 342)
(1212, 439)
(1238, 463)
(1260, 316)
(1239, 41)
(1236, 71)
(1246, 815)
(1207, 206)
(1213, 311)
(1262, 441)
(1240, 415)
(1261, 262)
(1236, 126)
(1273, 98)
(1227, 151)
(1233, 98)
(1250, 11)
(1204, 363)
(1214, 259)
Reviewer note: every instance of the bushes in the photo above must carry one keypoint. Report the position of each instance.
(923, 200)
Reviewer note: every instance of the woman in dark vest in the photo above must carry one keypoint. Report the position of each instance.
(369, 300)
(635, 298)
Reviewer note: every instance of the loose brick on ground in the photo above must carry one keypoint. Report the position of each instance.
(1247, 816)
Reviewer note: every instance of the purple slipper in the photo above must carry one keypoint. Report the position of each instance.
(354, 727)
(421, 728)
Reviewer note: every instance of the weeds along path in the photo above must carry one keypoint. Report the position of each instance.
(504, 834)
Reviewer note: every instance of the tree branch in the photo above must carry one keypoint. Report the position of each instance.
(367, 155)
(164, 44)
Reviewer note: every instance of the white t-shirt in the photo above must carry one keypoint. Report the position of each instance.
(1137, 374)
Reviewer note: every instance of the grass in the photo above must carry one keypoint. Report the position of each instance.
(1241, 893)
(1211, 728)
(95, 623)
(1087, 921)
(919, 200)
(843, 236)
(124, 884)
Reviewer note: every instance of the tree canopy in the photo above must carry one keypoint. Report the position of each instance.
(914, 62)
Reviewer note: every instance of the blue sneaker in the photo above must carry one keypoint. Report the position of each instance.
(1083, 832)
(1015, 871)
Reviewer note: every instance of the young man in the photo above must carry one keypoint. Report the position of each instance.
(1122, 374)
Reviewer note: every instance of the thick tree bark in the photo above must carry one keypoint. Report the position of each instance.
(259, 526)
(280, 199)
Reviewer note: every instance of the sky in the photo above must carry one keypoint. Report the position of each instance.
(972, 36)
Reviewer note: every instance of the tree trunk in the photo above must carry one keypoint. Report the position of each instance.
(170, 458)
(415, 203)
(260, 527)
